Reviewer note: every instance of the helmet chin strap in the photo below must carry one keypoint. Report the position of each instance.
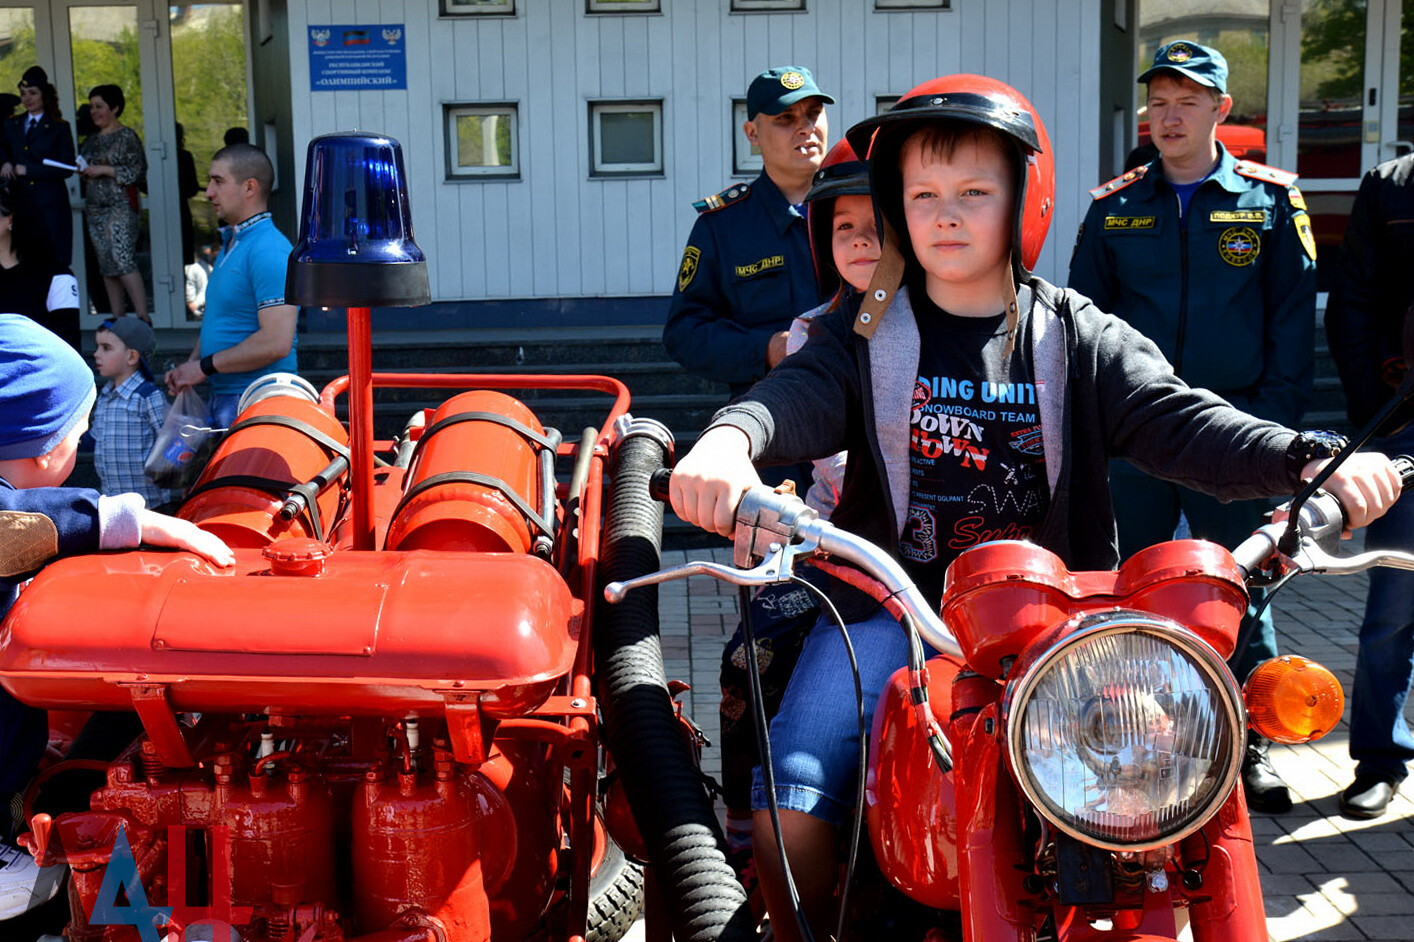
(1011, 319)
(888, 275)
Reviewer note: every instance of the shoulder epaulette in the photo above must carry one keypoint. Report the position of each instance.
(1119, 182)
(1255, 171)
(732, 194)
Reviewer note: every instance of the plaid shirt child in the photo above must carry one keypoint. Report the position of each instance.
(126, 420)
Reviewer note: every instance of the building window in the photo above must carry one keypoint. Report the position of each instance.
(478, 7)
(481, 141)
(746, 157)
(622, 6)
(626, 138)
(884, 103)
(913, 4)
(751, 6)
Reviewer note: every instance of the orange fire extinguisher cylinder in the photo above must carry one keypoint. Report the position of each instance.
(225, 500)
(416, 844)
(451, 513)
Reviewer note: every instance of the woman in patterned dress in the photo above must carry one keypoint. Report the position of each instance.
(115, 165)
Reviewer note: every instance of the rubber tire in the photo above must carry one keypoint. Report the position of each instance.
(615, 896)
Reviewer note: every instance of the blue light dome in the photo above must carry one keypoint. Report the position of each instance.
(355, 246)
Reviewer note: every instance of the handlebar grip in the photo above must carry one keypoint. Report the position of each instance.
(658, 483)
(1405, 465)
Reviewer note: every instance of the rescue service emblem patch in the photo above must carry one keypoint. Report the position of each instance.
(792, 80)
(757, 267)
(1130, 222)
(1239, 246)
(1304, 233)
(1258, 216)
(1297, 200)
(688, 268)
(1178, 52)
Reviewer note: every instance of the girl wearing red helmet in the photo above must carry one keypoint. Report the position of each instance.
(977, 402)
(845, 245)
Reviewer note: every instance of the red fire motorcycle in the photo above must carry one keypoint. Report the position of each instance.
(1065, 767)
(395, 718)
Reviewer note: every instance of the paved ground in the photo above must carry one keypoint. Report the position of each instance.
(1324, 877)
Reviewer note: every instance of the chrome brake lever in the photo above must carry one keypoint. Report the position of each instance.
(778, 566)
(1313, 557)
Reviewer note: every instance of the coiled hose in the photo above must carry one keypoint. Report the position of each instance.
(664, 786)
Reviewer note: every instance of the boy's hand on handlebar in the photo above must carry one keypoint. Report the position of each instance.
(1366, 485)
(708, 483)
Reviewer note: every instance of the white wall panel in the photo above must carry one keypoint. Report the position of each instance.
(557, 232)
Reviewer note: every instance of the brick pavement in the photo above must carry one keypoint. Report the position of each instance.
(1324, 878)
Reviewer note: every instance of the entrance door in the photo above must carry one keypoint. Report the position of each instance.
(1344, 105)
(83, 43)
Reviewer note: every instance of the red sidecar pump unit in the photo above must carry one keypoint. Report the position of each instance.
(380, 723)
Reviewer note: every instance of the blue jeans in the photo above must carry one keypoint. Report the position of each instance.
(223, 409)
(1147, 511)
(815, 734)
(1380, 741)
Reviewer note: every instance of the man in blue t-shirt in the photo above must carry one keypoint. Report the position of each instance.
(248, 329)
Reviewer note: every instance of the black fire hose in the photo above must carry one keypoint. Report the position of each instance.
(665, 789)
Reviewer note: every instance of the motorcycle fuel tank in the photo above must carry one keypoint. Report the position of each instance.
(360, 633)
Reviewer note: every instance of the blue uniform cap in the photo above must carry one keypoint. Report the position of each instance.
(775, 90)
(45, 388)
(1203, 64)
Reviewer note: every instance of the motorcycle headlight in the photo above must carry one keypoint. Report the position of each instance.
(1127, 733)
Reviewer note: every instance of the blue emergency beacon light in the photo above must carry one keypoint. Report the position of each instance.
(356, 251)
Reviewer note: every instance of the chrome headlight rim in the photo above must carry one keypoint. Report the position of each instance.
(1127, 621)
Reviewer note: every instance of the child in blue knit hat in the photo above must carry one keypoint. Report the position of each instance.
(46, 393)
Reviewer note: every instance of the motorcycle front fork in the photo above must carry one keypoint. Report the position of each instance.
(1223, 894)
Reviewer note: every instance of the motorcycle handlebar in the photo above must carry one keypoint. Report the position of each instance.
(776, 527)
(658, 484)
(1321, 519)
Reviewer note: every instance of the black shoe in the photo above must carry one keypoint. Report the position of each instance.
(1266, 792)
(1367, 797)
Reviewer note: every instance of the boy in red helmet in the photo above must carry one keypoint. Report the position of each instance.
(977, 402)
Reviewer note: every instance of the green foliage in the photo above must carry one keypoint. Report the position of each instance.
(21, 53)
(100, 62)
(471, 140)
(1333, 49)
(208, 78)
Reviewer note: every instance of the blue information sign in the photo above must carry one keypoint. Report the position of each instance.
(361, 58)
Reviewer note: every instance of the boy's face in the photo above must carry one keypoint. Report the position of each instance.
(959, 212)
(1183, 116)
(855, 240)
(113, 357)
(794, 140)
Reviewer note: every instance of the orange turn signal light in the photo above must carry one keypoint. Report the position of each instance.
(1292, 699)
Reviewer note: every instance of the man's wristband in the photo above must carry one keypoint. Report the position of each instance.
(1313, 446)
(208, 364)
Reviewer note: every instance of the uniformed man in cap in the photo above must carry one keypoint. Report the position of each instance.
(746, 271)
(1213, 259)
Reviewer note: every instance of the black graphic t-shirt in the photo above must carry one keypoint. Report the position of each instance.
(976, 467)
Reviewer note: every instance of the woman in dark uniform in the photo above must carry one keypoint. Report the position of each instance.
(39, 132)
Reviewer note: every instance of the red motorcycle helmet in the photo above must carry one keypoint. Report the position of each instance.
(841, 173)
(972, 99)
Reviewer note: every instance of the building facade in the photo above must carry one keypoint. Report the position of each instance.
(554, 147)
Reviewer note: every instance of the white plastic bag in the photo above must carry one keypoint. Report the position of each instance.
(183, 444)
